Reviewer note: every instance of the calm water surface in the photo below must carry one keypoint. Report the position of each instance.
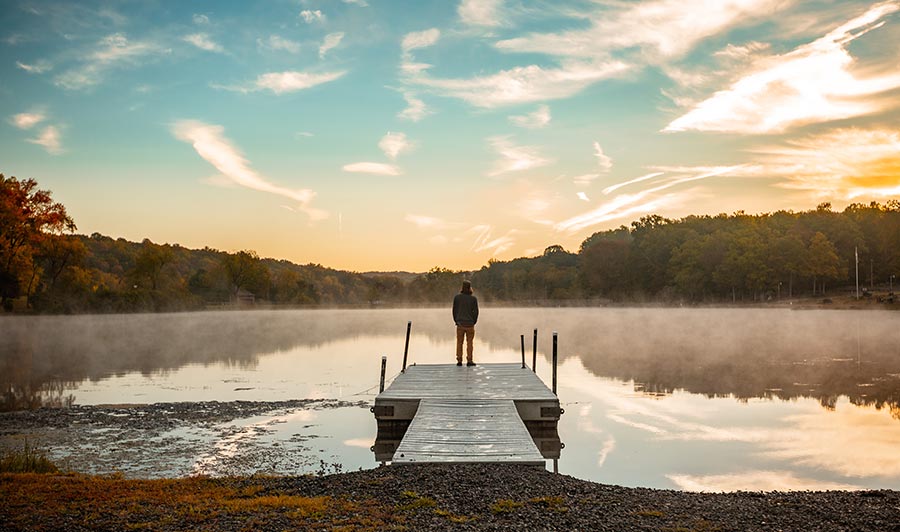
(694, 399)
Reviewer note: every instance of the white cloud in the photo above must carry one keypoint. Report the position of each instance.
(514, 158)
(372, 168)
(415, 108)
(480, 12)
(666, 28)
(49, 139)
(310, 16)
(200, 19)
(813, 83)
(393, 144)
(36, 68)
(331, 41)
(27, 120)
(360, 3)
(534, 120)
(420, 39)
(276, 42)
(603, 160)
(582, 196)
(112, 51)
(211, 144)
(203, 42)
(282, 82)
(521, 84)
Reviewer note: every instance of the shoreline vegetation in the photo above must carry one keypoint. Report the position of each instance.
(477, 497)
(734, 259)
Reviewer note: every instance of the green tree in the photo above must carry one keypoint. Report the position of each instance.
(245, 271)
(823, 261)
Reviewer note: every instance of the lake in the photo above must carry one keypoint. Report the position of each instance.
(692, 399)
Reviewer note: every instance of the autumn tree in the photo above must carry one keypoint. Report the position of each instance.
(245, 271)
(28, 216)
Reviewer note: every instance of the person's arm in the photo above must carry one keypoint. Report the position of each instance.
(475, 313)
(455, 308)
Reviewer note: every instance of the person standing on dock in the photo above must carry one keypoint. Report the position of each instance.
(465, 315)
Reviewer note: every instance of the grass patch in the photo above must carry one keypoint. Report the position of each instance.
(414, 501)
(505, 506)
(29, 460)
(556, 504)
(34, 500)
(454, 518)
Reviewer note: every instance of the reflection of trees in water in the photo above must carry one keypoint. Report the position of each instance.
(717, 352)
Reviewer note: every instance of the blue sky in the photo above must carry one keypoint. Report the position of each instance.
(380, 135)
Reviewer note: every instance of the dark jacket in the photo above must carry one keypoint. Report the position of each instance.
(465, 309)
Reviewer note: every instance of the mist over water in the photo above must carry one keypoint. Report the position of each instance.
(685, 398)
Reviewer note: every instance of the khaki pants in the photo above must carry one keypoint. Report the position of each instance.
(469, 334)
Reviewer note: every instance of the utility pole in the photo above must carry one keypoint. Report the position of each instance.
(856, 256)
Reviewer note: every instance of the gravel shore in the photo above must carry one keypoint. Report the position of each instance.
(425, 497)
(503, 497)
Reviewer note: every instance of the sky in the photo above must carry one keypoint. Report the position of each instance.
(404, 135)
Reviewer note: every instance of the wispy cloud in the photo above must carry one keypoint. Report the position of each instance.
(814, 83)
(310, 16)
(211, 144)
(480, 12)
(282, 82)
(111, 52)
(431, 222)
(27, 120)
(50, 139)
(276, 42)
(521, 84)
(38, 67)
(582, 196)
(514, 158)
(617, 186)
(204, 42)
(372, 168)
(415, 108)
(603, 161)
(393, 144)
(485, 240)
(200, 19)
(420, 39)
(644, 201)
(537, 119)
(844, 163)
(331, 41)
(662, 28)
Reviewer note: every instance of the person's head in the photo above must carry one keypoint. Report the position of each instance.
(466, 287)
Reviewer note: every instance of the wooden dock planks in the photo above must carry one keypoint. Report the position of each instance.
(467, 414)
(467, 430)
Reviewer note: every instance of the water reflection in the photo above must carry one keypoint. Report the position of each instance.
(716, 352)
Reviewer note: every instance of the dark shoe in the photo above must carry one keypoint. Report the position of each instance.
(459, 362)
(470, 363)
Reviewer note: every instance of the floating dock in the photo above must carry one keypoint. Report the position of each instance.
(486, 413)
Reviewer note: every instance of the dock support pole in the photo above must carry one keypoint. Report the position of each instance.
(523, 351)
(383, 368)
(406, 347)
(534, 353)
(554, 363)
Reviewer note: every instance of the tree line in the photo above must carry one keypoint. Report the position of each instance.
(46, 267)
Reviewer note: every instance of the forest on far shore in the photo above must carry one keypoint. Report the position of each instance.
(46, 267)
